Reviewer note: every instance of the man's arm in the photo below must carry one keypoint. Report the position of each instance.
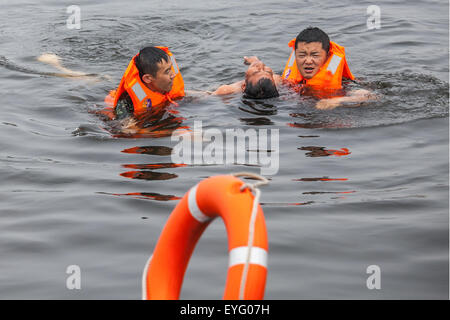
(55, 61)
(229, 88)
(353, 99)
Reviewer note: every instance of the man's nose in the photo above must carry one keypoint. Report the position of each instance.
(309, 60)
(259, 65)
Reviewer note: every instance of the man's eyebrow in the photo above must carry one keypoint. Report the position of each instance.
(312, 52)
(168, 68)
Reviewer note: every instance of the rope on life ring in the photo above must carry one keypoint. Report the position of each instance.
(228, 197)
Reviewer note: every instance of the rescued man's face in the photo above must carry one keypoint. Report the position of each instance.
(258, 70)
(163, 80)
(309, 57)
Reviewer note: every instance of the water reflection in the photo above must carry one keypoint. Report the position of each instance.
(283, 204)
(324, 192)
(257, 121)
(151, 166)
(146, 196)
(159, 121)
(320, 179)
(322, 152)
(258, 107)
(316, 119)
(149, 175)
(151, 150)
(319, 125)
(144, 170)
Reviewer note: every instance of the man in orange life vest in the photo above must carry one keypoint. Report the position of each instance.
(151, 79)
(319, 65)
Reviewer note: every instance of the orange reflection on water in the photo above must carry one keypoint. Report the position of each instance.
(322, 152)
(339, 153)
(152, 150)
(150, 195)
(146, 196)
(159, 121)
(148, 133)
(154, 166)
(149, 175)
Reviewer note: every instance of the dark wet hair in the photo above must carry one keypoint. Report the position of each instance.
(263, 89)
(148, 59)
(315, 34)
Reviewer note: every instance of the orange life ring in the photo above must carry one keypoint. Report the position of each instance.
(215, 196)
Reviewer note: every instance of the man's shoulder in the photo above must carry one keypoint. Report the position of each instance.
(229, 88)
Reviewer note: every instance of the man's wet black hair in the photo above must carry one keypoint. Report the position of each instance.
(148, 59)
(314, 34)
(263, 89)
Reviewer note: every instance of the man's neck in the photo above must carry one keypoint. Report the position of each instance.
(154, 89)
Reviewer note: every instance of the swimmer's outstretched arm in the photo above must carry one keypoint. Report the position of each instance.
(353, 99)
(236, 87)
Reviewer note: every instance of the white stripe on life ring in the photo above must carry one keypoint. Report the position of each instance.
(144, 278)
(239, 256)
(194, 210)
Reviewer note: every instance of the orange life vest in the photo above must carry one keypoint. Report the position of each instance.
(140, 94)
(330, 74)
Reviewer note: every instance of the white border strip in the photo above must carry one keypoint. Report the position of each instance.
(194, 210)
(239, 256)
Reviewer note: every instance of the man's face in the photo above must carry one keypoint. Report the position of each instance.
(163, 80)
(258, 70)
(309, 57)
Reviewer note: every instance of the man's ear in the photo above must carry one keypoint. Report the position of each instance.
(243, 86)
(147, 78)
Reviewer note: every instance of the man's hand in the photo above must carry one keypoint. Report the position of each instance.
(354, 99)
(129, 126)
(250, 60)
(328, 104)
